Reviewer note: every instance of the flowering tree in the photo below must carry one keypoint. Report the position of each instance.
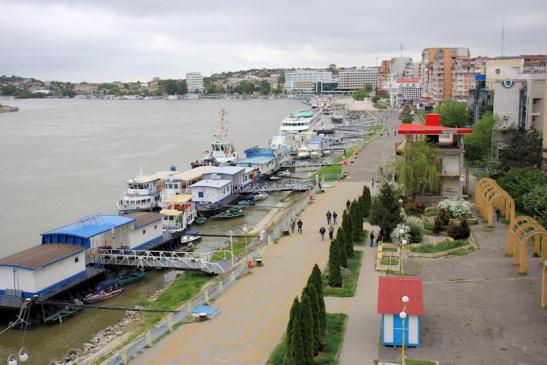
(456, 208)
(396, 235)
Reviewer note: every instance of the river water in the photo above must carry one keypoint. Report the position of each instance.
(64, 159)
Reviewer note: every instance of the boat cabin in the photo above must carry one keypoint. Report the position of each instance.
(43, 270)
(264, 160)
(210, 191)
(179, 182)
(239, 176)
(143, 192)
(146, 230)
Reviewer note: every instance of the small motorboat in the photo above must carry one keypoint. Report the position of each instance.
(200, 220)
(284, 173)
(229, 214)
(260, 196)
(60, 315)
(273, 177)
(131, 278)
(104, 290)
(246, 202)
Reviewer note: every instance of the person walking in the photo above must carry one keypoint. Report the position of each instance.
(334, 216)
(371, 238)
(331, 232)
(299, 224)
(328, 216)
(293, 223)
(322, 231)
(498, 213)
(372, 183)
(348, 203)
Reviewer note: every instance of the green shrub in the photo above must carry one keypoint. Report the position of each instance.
(438, 247)
(459, 230)
(535, 204)
(520, 181)
(430, 211)
(437, 225)
(444, 217)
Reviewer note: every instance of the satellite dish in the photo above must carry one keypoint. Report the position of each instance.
(23, 355)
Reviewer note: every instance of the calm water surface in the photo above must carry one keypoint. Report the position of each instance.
(64, 159)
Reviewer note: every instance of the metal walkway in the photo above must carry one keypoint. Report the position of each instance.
(307, 163)
(167, 260)
(282, 185)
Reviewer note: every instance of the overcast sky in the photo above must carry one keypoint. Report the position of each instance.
(107, 40)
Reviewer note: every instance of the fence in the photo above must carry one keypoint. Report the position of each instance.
(207, 296)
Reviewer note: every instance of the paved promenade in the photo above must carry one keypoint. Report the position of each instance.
(255, 311)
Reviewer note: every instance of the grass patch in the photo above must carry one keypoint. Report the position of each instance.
(431, 211)
(334, 336)
(389, 249)
(349, 284)
(428, 226)
(239, 248)
(329, 171)
(418, 362)
(180, 291)
(438, 247)
(389, 262)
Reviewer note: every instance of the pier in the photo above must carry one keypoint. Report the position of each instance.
(306, 163)
(283, 185)
(165, 260)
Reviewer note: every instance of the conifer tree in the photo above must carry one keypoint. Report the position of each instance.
(317, 279)
(295, 350)
(335, 276)
(356, 224)
(308, 337)
(346, 224)
(367, 201)
(342, 252)
(294, 313)
(316, 313)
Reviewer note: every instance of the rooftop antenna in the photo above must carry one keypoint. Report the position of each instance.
(502, 35)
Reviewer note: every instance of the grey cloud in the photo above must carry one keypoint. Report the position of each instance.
(104, 40)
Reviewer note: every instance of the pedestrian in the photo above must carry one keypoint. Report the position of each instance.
(328, 216)
(372, 183)
(348, 203)
(334, 216)
(371, 238)
(498, 213)
(380, 237)
(299, 224)
(320, 187)
(322, 231)
(262, 237)
(293, 223)
(331, 232)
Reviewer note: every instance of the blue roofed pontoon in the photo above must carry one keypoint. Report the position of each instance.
(85, 228)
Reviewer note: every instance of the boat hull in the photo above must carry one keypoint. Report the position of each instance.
(95, 298)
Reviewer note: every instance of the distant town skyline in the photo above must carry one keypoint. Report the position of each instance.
(104, 41)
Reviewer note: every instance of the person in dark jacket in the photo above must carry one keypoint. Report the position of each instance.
(331, 232)
(334, 216)
(371, 238)
(322, 231)
(328, 216)
(299, 224)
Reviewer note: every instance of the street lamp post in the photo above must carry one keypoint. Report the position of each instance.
(403, 244)
(231, 245)
(245, 230)
(402, 315)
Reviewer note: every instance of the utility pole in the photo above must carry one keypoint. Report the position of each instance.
(502, 35)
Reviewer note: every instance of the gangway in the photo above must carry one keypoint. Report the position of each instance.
(167, 260)
(283, 185)
(306, 163)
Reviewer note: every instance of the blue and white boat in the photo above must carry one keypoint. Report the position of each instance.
(142, 193)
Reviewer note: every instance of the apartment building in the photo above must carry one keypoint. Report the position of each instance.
(439, 67)
(353, 79)
(194, 82)
(84, 88)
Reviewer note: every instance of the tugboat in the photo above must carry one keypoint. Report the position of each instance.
(104, 290)
(222, 151)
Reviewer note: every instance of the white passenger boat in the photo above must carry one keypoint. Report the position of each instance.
(142, 193)
(223, 151)
(299, 122)
(303, 152)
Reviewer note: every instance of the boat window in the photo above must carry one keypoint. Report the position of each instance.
(144, 231)
(155, 226)
(76, 259)
(200, 194)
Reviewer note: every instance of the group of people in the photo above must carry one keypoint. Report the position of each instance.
(331, 222)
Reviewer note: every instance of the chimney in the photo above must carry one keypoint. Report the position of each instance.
(433, 120)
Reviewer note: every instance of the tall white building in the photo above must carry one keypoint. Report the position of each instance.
(194, 82)
(306, 81)
(357, 78)
(405, 90)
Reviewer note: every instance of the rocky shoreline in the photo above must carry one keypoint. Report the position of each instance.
(8, 109)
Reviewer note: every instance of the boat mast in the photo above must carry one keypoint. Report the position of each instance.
(222, 133)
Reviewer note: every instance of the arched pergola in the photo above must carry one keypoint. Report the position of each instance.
(539, 237)
(518, 226)
(544, 285)
(489, 195)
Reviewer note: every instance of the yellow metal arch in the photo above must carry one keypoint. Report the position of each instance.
(489, 195)
(537, 235)
(513, 226)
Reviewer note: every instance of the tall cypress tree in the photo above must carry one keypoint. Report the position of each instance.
(346, 224)
(356, 217)
(317, 279)
(308, 336)
(342, 252)
(367, 201)
(335, 276)
(295, 350)
(295, 308)
(316, 313)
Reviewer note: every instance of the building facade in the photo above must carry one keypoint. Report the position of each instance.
(307, 81)
(354, 79)
(443, 73)
(194, 82)
(405, 90)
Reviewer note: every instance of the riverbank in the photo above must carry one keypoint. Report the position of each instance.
(351, 104)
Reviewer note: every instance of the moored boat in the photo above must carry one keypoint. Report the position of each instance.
(131, 278)
(104, 290)
(229, 214)
(200, 220)
(60, 315)
(260, 196)
(284, 173)
(246, 202)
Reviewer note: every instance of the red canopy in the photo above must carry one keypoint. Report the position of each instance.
(391, 289)
(429, 129)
